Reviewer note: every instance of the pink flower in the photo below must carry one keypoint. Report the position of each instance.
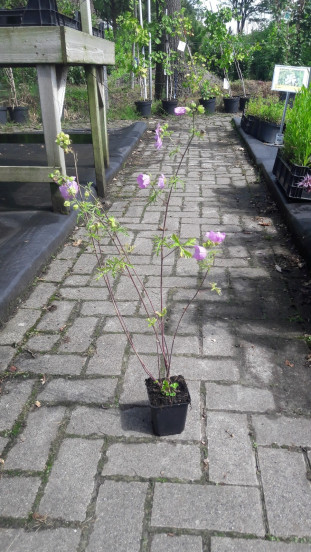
(199, 253)
(161, 181)
(306, 183)
(69, 189)
(180, 110)
(159, 142)
(158, 132)
(143, 180)
(215, 237)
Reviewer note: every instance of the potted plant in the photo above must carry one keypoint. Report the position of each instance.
(219, 47)
(292, 166)
(135, 62)
(168, 394)
(17, 112)
(209, 93)
(262, 118)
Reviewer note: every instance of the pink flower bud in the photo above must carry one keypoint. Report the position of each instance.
(143, 180)
(215, 237)
(180, 110)
(199, 253)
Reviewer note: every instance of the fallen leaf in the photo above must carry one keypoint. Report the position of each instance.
(264, 223)
(278, 268)
(12, 369)
(62, 328)
(77, 243)
(290, 364)
(43, 379)
(1, 461)
(37, 404)
(39, 517)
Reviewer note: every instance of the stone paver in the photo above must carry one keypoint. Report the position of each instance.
(253, 545)
(287, 492)
(62, 540)
(208, 507)
(170, 543)
(12, 401)
(282, 431)
(71, 482)
(119, 516)
(42, 427)
(154, 460)
(230, 453)
(3, 443)
(79, 336)
(6, 355)
(238, 397)
(56, 317)
(17, 495)
(52, 364)
(237, 479)
(107, 360)
(81, 391)
(18, 325)
(115, 422)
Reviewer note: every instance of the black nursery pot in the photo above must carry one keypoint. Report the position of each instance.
(231, 104)
(209, 105)
(144, 107)
(267, 132)
(243, 101)
(3, 115)
(18, 114)
(168, 414)
(169, 106)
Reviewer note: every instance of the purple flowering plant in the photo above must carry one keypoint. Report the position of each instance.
(100, 224)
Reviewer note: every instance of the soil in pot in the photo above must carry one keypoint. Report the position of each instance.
(209, 105)
(231, 104)
(169, 106)
(144, 107)
(168, 414)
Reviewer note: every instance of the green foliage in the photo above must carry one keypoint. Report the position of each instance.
(268, 109)
(297, 135)
(167, 388)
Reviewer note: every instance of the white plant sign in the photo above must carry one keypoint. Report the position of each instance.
(290, 78)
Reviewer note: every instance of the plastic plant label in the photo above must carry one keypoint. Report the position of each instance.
(279, 139)
(226, 84)
(181, 46)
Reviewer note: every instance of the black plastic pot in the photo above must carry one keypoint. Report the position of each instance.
(3, 115)
(169, 106)
(170, 418)
(18, 114)
(289, 175)
(209, 105)
(144, 107)
(243, 101)
(267, 132)
(253, 125)
(231, 104)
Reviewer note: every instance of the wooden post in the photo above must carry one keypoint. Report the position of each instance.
(97, 108)
(51, 84)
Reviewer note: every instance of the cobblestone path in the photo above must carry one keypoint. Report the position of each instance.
(81, 469)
